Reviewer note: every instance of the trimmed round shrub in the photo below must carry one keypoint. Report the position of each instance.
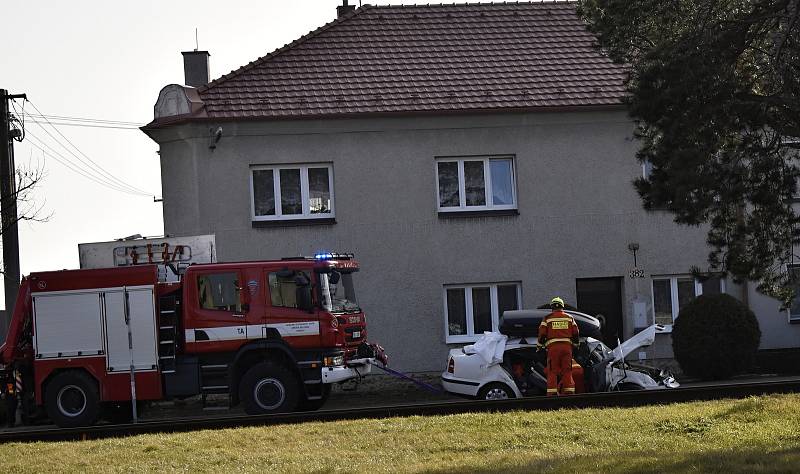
(715, 337)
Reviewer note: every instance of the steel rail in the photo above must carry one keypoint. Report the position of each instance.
(589, 400)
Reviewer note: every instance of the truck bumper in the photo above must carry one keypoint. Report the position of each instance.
(354, 369)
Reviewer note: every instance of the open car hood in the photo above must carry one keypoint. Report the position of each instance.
(642, 339)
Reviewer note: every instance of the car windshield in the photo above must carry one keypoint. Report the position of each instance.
(338, 292)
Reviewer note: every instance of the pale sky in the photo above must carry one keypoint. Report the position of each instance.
(101, 59)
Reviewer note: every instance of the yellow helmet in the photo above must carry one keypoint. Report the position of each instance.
(556, 302)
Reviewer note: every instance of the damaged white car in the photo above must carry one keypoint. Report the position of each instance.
(509, 364)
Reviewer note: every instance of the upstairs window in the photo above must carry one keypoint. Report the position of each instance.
(475, 184)
(291, 192)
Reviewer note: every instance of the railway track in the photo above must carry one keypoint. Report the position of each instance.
(614, 399)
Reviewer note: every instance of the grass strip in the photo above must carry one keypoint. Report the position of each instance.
(757, 434)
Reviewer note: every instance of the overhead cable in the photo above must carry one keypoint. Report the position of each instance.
(83, 119)
(93, 169)
(52, 153)
(118, 127)
(99, 169)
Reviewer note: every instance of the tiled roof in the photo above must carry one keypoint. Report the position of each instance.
(427, 58)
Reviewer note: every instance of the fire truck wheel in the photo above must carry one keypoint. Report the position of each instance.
(268, 388)
(71, 399)
(313, 405)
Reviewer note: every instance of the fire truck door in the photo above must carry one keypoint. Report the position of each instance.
(142, 326)
(220, 314)
(285, 314)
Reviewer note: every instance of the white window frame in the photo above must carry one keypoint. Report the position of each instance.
(645, 165)
(471, 336)
(796, 195)
(673, 288)
(789, 317)
(462, 204)
(304, 192)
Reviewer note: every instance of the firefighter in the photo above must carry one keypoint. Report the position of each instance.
(578, 377)
(557, 333)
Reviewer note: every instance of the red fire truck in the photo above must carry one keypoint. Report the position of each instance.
(272, 335)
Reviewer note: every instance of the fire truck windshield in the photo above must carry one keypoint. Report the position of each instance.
(338, 292)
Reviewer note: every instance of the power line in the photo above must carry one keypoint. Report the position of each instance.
(83, 119)
(39, 144)
(99, 168)
(72, 166)
(85, 168)
(118, 127)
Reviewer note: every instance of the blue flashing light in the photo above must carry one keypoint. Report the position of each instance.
(333, 256)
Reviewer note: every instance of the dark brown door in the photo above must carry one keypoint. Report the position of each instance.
(602, 297)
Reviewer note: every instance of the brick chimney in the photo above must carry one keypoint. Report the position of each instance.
(344, 9)
(195, 68)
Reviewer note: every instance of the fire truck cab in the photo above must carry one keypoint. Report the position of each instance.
(271, 335)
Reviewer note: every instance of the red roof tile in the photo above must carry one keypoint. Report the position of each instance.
(431, 58)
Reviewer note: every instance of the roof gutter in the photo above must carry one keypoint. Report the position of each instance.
(181, 120)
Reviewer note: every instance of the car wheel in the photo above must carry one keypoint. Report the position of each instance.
(269, 388)
(495, 391)
(72, 399)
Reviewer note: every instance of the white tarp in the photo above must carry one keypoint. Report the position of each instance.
(490, 346)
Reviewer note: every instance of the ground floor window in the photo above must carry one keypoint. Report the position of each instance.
(471, 309)
(671, 293)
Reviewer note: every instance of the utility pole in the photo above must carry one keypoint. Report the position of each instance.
(8, 209)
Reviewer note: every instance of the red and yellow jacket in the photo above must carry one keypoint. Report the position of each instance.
(558, 326)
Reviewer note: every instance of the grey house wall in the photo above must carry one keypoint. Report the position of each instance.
(776, 332)
(577, 211)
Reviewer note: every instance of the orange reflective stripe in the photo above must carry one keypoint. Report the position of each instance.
(552, 390)
(559, 319)
(557, 339)
(570, 389)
